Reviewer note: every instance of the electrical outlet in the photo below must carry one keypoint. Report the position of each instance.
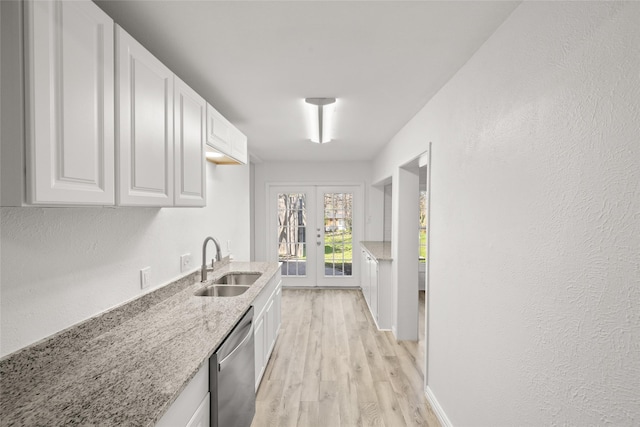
(145, 277)
(185, 263)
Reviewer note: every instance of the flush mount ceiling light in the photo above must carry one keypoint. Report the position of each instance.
(320, 117)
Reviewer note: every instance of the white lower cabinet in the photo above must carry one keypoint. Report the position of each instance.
(365, 278)
(266, 322)
(191, 408)
(202, 416)
(259, 346)
(376, 287)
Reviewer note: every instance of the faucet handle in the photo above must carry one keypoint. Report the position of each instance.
(213, 262)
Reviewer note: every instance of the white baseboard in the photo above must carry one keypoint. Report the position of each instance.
(435, 405)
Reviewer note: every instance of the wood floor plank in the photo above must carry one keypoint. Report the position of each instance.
(312, 362)
(329, 405)
(268, 410)
(332, 367)
(390, 409)
(374, 355)
(308, 415)
(329, 358)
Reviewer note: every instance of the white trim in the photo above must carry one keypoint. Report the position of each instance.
(427, 264)
(437, 409)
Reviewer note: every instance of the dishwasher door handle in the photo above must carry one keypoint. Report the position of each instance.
(224, 361)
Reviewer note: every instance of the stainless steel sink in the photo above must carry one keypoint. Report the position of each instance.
(222, 291)
(237, 279)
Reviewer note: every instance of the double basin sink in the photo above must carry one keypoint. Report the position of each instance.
(229, 285)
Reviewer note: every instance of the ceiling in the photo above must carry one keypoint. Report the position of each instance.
(256, 61)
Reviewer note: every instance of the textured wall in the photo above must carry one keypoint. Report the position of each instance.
(63, 265)
(535, 221)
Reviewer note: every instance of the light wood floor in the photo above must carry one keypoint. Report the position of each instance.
(331, 367)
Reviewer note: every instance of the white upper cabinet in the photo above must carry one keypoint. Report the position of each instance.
(190, 114)
(91, 117)
(225, 139)
(144, 142)
(218, 131)
(239, 146)
(68, 140)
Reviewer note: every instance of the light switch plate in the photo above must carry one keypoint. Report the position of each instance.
(185, 263)
(145, 277)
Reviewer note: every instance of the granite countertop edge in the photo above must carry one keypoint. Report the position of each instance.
(125, 366)
(380, 250)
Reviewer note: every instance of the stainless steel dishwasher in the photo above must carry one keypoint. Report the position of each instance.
(232, 377)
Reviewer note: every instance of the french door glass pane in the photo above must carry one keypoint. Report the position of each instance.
(292, 233)
(338, 232)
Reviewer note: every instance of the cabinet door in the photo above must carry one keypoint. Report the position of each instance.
(239, 146)
(270, 336)
(373, 280)
(190, 111)
(201, 418)
(192, 404)
(218, 131)
(277, 308)
(259, 349)
(365, 280)
(69, 90)
(145, 116)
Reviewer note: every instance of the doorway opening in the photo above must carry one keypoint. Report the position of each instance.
(313, 230)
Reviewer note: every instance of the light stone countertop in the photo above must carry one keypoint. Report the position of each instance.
(381, 251)
(127, 366)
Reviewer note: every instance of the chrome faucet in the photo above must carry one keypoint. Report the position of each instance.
(203, 273)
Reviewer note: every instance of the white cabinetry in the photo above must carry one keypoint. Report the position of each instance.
(145, 117)
(190, 112)
(202, 416)
(267, 316)
(191, 408)
(239, 146)
(58, 120)
(365, 279)
(225, 139)
(161, 138)
(218, 131)
(376, 287)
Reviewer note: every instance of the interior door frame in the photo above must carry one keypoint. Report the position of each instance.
(358, 227)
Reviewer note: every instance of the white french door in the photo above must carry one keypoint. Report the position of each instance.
(313, 230)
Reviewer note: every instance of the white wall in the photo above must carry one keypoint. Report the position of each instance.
(535, 213)
(404, 250)
(316, 173)
(388, 217)
(63, 265)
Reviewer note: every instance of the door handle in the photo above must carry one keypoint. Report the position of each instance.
(224, 361)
